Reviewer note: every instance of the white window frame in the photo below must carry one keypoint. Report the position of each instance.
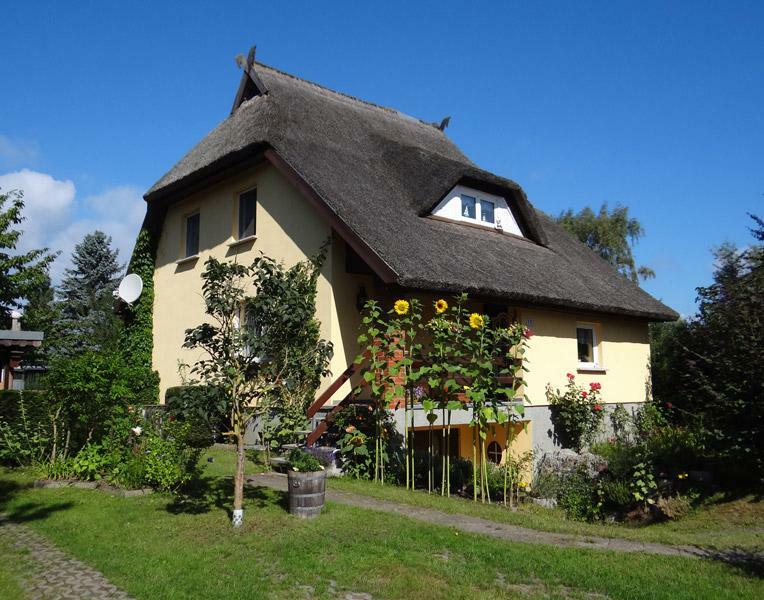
(595, 347)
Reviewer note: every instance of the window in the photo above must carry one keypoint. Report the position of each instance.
(468, 206)
(477, 207)
(486, 211)
(494, 452)
(247, 208)
(587, 346)
(192, 235)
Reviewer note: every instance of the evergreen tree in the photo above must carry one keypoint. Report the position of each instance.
(86, 320)
(611, 234)
(20, 272)
(39, 315)
(709, 370)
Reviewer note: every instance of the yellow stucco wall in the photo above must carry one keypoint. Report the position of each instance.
(290, 230)
(624, 350)
(287, 229)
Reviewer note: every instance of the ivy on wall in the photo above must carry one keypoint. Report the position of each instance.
(137, 336)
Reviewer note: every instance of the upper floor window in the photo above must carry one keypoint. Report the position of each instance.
(192, 235)
(247, 214)
(477, 207)
(588, 354)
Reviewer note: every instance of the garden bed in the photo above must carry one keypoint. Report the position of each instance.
(92, 485)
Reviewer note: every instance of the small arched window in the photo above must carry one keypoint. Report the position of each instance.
(494, 452)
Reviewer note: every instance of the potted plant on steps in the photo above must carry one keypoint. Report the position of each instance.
(307, 484)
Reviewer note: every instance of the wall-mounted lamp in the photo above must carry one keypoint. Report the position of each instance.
(361, 298)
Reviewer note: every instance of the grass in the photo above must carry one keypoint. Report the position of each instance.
(10, 571)
(735, 523)
(159, 547)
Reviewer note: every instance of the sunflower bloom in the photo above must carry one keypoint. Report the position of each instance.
(477, 321)
(441, 306)
(401, 307)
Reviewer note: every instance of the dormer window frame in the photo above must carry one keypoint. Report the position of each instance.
(489, 210)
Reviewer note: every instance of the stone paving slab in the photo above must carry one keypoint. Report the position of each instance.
(512, 533)
(50, 573)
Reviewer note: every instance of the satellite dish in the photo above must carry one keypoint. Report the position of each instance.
(130, 288)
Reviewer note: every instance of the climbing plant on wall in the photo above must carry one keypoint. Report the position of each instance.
(137, 336)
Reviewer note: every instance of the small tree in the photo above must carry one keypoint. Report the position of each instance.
(255, 343)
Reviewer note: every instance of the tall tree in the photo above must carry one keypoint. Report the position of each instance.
(20, 272)
(710, 369)
(39, 315)
(86, 320)
(611, 234)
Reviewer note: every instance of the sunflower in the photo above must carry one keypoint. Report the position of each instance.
(401, 307)
(441, 306)
(477, 321)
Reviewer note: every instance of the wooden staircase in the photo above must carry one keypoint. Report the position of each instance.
(319, 406)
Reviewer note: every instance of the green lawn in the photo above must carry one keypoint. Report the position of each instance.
(727, 524)
(157, 547)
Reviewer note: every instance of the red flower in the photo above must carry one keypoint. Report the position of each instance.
(528, 333)
(669, 405)
(570, 376)
(584, 394)
(598, 407)
(595, 386)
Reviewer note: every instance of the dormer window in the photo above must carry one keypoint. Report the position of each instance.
(479, 208)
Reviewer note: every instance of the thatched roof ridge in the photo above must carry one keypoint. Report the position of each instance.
(380, 173)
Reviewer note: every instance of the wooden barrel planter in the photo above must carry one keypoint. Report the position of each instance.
(307, 492)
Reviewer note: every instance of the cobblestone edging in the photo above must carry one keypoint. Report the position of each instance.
(49, 573)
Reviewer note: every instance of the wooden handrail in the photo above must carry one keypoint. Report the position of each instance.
(331, 390)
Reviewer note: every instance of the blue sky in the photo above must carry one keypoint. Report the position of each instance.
(655, 105)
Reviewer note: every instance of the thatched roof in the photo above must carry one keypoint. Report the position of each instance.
(379, 173)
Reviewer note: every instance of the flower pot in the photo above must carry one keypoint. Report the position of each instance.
(307, 492)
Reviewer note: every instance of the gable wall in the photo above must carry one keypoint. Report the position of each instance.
(287, 229)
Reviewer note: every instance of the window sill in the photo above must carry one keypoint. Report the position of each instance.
(187, 259)
(585, 369)
(249, 238)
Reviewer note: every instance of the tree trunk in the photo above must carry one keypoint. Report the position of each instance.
(238, 481)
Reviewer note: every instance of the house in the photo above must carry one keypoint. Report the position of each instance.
(407, 213)
(14, 345)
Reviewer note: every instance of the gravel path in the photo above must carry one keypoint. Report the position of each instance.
(502, 531)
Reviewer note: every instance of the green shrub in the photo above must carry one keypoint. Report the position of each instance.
(199, 405)
(169, 462)
(546, 485)
(580, 497)
(91, 462)
(304, 462)
(616, 494)
(130, 473)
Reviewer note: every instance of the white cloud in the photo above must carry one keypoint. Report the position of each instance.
(15, 152)
(48, 204)
(57, 219)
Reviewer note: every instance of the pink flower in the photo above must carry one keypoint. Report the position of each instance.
(669, 405)
(598, 407)
(584, 394)
(528, 333)
(595, 386)
(570, 376)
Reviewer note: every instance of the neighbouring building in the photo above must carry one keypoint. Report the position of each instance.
(407, 213)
